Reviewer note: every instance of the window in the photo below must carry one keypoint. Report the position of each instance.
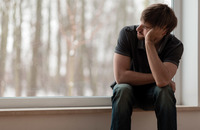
(189, 33)
(60, 28)
(61, 47)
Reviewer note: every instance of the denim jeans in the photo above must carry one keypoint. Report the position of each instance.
(126, 97)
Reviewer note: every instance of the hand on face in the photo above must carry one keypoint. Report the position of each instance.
(154, 35)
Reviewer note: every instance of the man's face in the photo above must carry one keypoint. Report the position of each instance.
(142, 30)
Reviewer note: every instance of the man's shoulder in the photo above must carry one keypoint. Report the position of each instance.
(130, 28)
(174, 43)
(129, 31)
(173, 38)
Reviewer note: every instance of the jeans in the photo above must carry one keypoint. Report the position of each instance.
(126, 97)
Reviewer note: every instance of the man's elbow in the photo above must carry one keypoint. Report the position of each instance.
(162, 83)
(119, 79)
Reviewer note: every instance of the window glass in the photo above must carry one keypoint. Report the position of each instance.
(61, 47)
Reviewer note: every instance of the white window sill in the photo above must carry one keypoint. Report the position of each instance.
(75, 110)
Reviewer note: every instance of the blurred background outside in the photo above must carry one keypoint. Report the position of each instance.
(62, 47)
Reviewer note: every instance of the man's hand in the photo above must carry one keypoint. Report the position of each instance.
(162, 72)
(172, 85)
(154, 35)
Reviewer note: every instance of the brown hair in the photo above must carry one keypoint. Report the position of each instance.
(160, 15)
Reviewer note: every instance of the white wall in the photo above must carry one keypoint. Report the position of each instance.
(187, 120)
(188, 32)
(190, 57)
(198, 52)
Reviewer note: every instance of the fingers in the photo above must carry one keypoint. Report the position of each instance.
(154, 35)
(173, 85)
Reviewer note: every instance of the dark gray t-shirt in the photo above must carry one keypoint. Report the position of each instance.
(170, 50)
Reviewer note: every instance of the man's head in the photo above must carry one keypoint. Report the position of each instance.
(157, 15)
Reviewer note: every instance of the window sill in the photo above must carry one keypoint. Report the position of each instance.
(55, 110)
(75, 110)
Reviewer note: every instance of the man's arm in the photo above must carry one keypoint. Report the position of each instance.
(162, 72)
(123, 74)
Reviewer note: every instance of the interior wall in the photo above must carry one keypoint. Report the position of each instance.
(92, 121)
(190, 67)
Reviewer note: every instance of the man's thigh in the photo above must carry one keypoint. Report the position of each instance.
(145, 96)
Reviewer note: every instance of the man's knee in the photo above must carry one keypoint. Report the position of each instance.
(123, 91)
(166, 90)
(122, 87)
(165, 96)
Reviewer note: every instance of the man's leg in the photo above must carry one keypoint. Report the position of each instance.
(165, 108)
(122, 105)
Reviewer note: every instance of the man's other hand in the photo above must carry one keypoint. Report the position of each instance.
(172, 84)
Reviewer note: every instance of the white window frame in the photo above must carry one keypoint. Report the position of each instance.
(198, 53)
(188, 31)
(182, 95)
(176, 5)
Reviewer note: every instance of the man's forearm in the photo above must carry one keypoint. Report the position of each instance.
(158, 69)
(136, 78)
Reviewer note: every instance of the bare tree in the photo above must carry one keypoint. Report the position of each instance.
(17, 48)
(36, 52)
(3, 52)
(79, 78)
(70, 48)
(46, 82)
(57, 83)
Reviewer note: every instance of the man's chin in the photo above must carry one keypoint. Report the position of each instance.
(140, 37)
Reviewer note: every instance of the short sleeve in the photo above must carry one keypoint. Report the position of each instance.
(123, 45)
(174, 52)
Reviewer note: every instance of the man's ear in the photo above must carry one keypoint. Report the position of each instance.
(165, 31)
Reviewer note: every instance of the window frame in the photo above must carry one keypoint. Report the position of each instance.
(100, 101)
(188, 75)
(177, 33)
(198, 52)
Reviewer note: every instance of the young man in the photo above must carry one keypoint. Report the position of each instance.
(145, 61)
